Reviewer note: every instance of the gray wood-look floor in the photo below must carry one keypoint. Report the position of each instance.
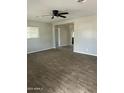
(61, 71)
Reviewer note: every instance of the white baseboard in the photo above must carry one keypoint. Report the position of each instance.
(86, 53)
(63, 45)
(39, 50)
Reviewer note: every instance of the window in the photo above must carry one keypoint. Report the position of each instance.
(32, 32)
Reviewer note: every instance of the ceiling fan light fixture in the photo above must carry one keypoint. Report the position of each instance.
(81, 1)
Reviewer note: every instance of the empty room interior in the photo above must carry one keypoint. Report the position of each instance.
(61, 46)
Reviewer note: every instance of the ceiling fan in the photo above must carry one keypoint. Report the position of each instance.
(57, 13)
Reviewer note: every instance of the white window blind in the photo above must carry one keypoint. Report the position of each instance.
(32, 32)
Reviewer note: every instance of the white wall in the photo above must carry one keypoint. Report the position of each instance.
(86, 35)
(85, 29)
(85, 39)
(45, 41)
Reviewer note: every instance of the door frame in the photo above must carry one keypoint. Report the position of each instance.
(57, 38)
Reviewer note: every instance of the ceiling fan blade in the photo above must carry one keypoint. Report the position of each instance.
(64, 13)
(62, 16)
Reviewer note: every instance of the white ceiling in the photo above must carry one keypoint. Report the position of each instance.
(37, 8)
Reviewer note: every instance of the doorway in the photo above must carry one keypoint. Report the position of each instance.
(64, 35)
